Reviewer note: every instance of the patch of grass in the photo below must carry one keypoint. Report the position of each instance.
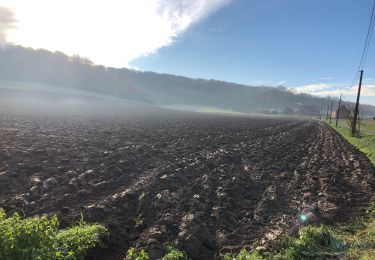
(368, 126)
(244, 255)
(40, 238)
(314, 242)
(362, 243)
(361, 235)
(365, 143)
(362, 239)
(77, 240)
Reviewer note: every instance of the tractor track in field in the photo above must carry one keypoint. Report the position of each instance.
(208, 184)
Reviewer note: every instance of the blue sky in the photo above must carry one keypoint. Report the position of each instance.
(275, 42)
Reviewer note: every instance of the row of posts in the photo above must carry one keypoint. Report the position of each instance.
(356, 109)
(330, 115)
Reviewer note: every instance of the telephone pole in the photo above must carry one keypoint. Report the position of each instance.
(330, 115)
(354, 123)
(327, 112)
(338, 111)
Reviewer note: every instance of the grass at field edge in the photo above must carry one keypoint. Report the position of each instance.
(360, 236)
(365, 142)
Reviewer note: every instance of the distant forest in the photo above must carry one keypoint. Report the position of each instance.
(25, 64)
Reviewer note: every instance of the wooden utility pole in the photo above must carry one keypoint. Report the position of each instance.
(338, 111)
(354, 123)
(327, 112)
(330, 115)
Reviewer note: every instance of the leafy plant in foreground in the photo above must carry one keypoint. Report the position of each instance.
(39, 238)
(244, 255)
(134, 254)
(174, 254)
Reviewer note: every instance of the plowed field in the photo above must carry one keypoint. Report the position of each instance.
(209, 184)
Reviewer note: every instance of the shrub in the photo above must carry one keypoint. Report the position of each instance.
(39, 238)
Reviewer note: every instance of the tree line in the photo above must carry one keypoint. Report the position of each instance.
(38, 65)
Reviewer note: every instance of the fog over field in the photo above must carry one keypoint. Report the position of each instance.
(57, 72)
(41, 99)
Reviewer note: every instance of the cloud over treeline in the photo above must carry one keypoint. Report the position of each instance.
(7, 21)
(109, 32)
(182, 13)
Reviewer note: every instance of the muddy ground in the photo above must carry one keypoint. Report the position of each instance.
(208, 184)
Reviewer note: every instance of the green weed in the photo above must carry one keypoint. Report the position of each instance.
(39, 238)
(174, 254)
(244, 255)
(134, 254)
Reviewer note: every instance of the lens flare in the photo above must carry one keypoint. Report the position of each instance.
(303, 217)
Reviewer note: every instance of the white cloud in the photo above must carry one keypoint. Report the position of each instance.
(282, 82)
(323, 89)
(6, 22)
(312, 88)
(111, 32)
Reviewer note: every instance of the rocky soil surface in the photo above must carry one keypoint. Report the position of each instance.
(208, 184)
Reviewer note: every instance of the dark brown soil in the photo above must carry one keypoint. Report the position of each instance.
(209, 184)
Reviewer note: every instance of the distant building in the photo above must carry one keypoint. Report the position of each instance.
(344, 112)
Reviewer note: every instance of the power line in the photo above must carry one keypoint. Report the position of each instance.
(368, 39)
(361, 65)
(355, 80)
